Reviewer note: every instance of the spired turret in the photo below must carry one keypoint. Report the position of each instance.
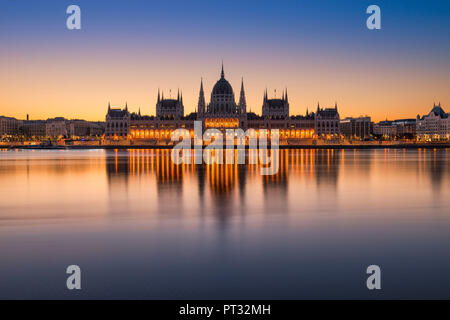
(201, 100)
(170, 109)
(242, 101)
(275, 108)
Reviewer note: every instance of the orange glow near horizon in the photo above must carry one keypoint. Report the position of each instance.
(81, 87)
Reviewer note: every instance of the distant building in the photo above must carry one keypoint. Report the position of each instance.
(401, 128)
(356, 128)
(35, 128)
(406, 128)
(328, 122)
(56, 127)
(9, 126)
(117, 123)
(82, 128)
(435, 125)
(386, 129)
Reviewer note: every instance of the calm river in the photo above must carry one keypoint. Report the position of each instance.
(141, 227)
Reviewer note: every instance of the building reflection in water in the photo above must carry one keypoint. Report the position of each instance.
(221, 189)
(228, 190)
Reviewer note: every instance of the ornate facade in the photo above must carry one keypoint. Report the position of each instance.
(327, 122)
(435, 125)
(170, 109)
(275, 108)
(222, 112)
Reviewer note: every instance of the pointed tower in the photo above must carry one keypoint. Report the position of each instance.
(181, 113)
(109, 106)
(242, 101)
(222, 74)
(201, 99)
(159, 99)
(286, 104)
(126, 106)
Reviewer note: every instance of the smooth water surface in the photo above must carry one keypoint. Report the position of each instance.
(141, 227)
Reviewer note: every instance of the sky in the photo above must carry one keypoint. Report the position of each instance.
(320, 50)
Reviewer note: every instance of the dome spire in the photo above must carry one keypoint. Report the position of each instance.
(222, 74)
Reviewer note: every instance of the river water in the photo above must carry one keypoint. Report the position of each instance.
(141, 227)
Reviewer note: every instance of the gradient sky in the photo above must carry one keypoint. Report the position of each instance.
(320, 50)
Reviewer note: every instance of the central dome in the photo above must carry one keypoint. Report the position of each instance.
(222, 86)
(222, 97)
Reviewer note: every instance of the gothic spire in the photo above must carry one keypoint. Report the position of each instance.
(201, 99)
(242, 100)
(222, 74)
(158, 96)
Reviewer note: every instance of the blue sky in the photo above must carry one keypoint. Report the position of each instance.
(274, 38)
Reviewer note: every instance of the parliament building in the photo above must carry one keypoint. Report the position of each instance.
(222, 112)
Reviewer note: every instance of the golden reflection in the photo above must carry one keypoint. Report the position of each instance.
(322, 164)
